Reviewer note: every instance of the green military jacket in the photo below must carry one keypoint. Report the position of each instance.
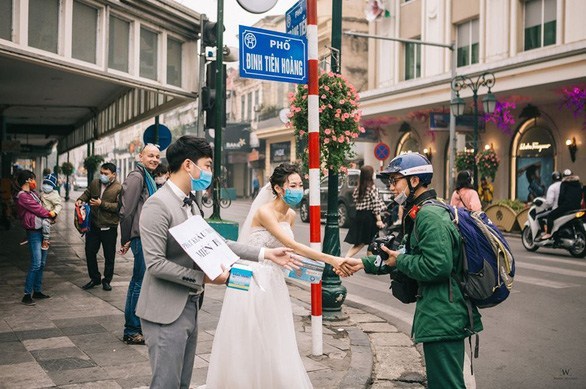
(434, 257)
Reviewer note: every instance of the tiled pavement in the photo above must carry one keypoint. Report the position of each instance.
(73, 339)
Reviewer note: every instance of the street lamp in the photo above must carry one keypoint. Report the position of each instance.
(457, 105)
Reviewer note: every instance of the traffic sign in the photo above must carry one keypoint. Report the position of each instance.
(382, 151)
(164, 136)
(271, 55)
(296, 19)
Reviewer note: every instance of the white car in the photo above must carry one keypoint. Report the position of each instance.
(79, 182)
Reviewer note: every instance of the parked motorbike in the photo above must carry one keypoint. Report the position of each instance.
(567, 233)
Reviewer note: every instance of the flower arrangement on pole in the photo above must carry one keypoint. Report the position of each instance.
(339, 120)
(465, 160)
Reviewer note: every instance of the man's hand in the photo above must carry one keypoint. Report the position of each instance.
(221, 279)
(95, 202)
(349, 266)
(124, 248)
(392, 260)
(282, 256)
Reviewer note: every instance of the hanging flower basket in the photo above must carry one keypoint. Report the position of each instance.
(488, 163)
(92, 162)
(464, 160)
(339, 120)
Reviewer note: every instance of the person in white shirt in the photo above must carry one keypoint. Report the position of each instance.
(551, 199)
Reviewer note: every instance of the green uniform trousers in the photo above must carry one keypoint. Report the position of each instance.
(444, 362)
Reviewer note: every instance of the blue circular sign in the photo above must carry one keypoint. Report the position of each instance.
(164, 136)
(382, 151)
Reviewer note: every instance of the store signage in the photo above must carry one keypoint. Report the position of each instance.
(534, 146)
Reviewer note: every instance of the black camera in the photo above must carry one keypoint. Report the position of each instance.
(388, 241)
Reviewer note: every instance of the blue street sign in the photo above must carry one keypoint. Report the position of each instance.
(296, 18)
(271, 55)
(164, 136)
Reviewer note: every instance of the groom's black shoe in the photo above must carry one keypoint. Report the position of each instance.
(133, 339)
(90, 285)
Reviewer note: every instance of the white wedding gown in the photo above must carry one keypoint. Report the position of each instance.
(255, 345)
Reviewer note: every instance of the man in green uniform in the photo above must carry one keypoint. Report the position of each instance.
(432, 256)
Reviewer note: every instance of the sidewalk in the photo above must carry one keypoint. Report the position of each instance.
(73, 339)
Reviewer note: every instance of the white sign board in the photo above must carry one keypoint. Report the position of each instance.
(204, 245)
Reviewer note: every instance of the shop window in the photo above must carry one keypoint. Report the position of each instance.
(535, 163)
(6, 19)
(85, 32)
(43, 24)
(412, 61)
(468, 43)
(174, 62)
(148, 53)
(118, 47)
(540, 23)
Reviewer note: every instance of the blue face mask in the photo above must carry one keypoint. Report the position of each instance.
(104, 179)
(293, 196)
(204, 180)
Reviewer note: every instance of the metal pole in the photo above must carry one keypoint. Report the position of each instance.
(219, 107)
(333, 293)
(387, 38)
(202, 77)
(475, 100)
(453, 140)
(314, 169)
(156, 137)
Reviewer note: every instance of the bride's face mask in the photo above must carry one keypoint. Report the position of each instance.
(293, 190)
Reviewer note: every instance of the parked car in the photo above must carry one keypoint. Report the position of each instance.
(79, 182)
(346, 207)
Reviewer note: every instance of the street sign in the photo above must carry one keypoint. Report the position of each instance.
(382, 151)
(271, 55)
(164, 136)
(296, 19)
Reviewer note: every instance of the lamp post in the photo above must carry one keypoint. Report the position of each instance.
(457, 105)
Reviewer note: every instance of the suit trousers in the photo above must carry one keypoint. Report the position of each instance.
(172, 348)
(107, 239)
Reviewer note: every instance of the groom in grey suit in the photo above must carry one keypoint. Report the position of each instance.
(168, 302)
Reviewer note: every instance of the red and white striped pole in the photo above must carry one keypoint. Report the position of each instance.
(314, 168)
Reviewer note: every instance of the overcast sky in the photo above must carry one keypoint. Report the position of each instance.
(234, 15)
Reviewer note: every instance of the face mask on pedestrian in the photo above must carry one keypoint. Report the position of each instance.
(292, 197)
(104, 179)
(47, 188)
(400, 198)
(160, 180)
(32, 184)
(204, 180)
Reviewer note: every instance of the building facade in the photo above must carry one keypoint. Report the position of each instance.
(536, 50)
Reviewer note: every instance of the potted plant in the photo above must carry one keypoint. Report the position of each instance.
(67, 169)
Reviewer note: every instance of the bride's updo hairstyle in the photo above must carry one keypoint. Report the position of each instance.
(281, 174)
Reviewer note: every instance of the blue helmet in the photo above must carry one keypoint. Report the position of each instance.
(411, 164)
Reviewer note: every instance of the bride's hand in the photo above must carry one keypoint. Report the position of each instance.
(340, 267)
(282, 256)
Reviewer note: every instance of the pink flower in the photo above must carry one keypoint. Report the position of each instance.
(345, 115)
(338, 110)
(291, 95)
(347, 132)
(323, 96)
(341, 139)
(305, 86)
(334, 138)
(337, 115)
(327, 88)
(362, 130)
(327, 131)
(342, 101)
(301, 132)
(326, 141)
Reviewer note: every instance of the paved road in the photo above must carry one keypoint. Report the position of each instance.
(533, 340)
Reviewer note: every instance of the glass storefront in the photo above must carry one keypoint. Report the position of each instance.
(535, 163)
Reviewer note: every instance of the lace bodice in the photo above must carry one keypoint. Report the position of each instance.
(260, 237)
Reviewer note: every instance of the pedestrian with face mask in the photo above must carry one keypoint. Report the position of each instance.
(102, 194)
(161, 174)
(431, 255)
(138, 186)
(31, 213)
(52, 202)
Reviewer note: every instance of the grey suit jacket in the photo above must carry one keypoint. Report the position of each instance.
(170, 273)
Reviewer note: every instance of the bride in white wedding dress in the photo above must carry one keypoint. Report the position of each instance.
(254, 344)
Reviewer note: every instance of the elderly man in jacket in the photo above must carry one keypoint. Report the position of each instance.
(138, 186)
(102, 195)
(432, 255)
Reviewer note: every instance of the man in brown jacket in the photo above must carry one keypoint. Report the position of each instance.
(102, 194)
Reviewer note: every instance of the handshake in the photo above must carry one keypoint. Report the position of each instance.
(380, 247)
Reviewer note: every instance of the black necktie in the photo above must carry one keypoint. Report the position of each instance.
(188, 200)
